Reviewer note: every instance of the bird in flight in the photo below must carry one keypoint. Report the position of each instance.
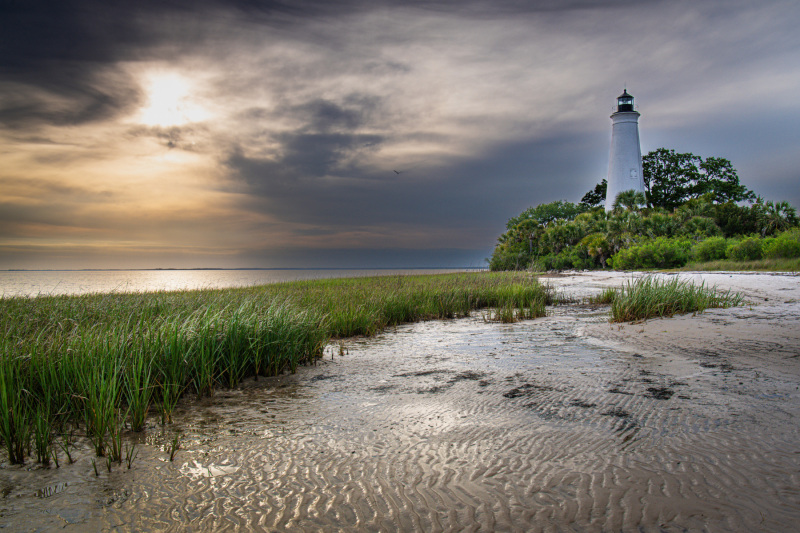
(397, 172)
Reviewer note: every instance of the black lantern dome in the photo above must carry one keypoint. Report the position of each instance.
(624, 102)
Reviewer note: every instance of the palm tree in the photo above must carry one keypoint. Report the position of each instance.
(631, 200)
(777, 217)
(622, 229)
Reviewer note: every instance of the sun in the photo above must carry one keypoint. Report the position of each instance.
(170, 101)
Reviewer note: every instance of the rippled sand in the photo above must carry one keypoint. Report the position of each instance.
(565, 423)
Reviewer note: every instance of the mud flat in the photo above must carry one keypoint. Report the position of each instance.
(564, 423)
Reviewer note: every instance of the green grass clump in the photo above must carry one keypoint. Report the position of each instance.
(759, 265)
(650, 296)
(606, 297)
(15, 416)
(102, 362)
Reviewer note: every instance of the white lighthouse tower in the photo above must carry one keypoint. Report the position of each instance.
(625, 159)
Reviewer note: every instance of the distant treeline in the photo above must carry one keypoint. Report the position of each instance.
(694, 210)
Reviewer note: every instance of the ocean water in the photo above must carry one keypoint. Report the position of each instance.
(57, 282)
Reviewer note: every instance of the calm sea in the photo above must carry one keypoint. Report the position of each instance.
(53, 282)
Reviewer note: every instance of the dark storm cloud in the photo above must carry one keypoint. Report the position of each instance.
(58, 59)
(65, 96)
(326, 137)
(414, 127)
(471, 194)
(37, 33)
(40, 33)
(318, 154)
(470, 202)
(326, 116)
(52, 54)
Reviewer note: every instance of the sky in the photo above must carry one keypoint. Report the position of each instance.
(360, 133)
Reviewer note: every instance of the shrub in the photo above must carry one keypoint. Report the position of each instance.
(733, 219)
(509, 256)
(580, 259)
(711, 249)
(700, 227)
(562, 261)
(786, 245)
(658, 253)
(748, 249)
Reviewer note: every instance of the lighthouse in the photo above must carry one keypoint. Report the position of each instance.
(625, 159)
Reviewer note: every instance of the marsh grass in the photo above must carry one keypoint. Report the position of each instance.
(65, 444)
(758, 265)
(14, 412)
(606, 297)
(174, 446)
(115, 428)
(168, 348)
(130, 454)
(99, 362)
(650, 297)
(139, 386)
(101, 385)
(513, 307)
(42, 434)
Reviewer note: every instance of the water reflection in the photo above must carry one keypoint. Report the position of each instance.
(50, 283)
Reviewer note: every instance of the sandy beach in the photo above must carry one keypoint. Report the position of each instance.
(767, 328)
(763, 335)
(564, 423)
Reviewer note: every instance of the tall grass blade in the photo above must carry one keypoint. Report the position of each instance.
(14, 411)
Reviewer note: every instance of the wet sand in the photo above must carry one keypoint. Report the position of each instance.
(564, 423)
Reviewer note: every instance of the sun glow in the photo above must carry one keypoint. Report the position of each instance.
(170, 102)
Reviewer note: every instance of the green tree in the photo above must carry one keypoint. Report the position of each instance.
(546, 213)
(596, 197)
(735, 219)
(671, 179)
(597, 247)
(719, 180)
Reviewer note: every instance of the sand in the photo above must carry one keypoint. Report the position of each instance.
(764, 333)
(565, 423)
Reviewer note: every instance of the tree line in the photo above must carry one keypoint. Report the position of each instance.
(688, 200)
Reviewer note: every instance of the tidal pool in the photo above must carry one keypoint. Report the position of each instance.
(454, 425)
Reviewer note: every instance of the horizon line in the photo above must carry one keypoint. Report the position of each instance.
(237, 268)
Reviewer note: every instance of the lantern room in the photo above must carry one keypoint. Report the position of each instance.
(624, 102)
